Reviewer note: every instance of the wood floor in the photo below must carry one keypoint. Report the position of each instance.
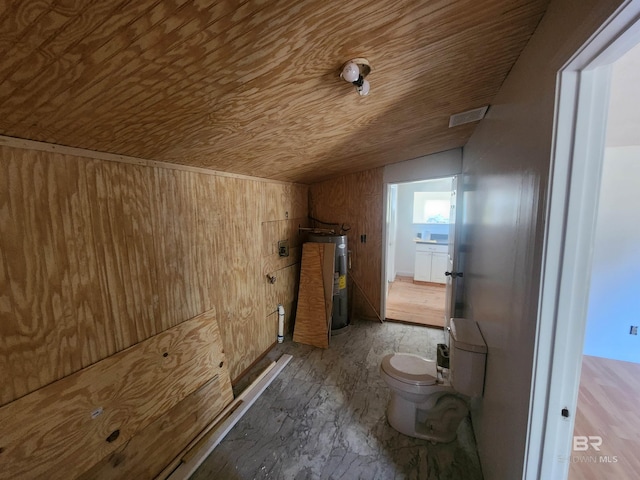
(418, 303)
(608, 402)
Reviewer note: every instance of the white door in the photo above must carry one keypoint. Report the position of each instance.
(580, 122)
(451, 274)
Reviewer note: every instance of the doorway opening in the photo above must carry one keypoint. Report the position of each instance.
(419, 226)
(584, 377)
(610, 374)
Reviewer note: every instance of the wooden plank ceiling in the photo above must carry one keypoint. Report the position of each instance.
(252, 87)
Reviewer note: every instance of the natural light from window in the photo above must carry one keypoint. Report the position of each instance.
(431, 207)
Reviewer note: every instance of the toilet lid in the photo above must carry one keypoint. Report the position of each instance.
(410, 368)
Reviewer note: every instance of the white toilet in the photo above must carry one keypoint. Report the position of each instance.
(424, 406)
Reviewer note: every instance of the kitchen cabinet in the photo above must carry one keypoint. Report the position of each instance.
(430, 263)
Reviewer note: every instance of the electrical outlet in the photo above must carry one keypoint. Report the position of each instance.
(633, 330)
(283, 248)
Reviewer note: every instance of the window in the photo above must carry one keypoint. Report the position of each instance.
(431, 207)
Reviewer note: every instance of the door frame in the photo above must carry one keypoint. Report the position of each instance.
(385, 233)
(576, 172)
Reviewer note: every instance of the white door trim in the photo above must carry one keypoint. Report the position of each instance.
(577, 153)
(385, 242)
(385, 232)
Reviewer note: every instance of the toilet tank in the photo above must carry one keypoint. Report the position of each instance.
(468, 354)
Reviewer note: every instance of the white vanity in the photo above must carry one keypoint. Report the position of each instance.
(430, 262)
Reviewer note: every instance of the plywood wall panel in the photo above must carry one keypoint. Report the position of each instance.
(175, 242)
(174, 29)
(209, 84)
(146, 454)
(96, 256)
(356, 200)
(105, 49)
(124, 198)
(284, 290)
(99, 259)
(365, 205)
(39, 335)
(137, 232)
(63, 429)
(240, 276)
(277, 230)
(284, 202)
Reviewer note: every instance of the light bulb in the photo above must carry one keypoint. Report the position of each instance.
(350, 72)
(364, 89)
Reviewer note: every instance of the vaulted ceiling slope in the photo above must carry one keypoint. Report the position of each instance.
(252, 87)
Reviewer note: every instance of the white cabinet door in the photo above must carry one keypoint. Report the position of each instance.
(422, 271)
(438, 267)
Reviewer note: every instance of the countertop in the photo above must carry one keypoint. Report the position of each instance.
(429, 242)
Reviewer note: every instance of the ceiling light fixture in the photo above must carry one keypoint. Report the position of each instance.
(355, 71)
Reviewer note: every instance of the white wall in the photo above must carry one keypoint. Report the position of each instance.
(438, 165)
(614, 299)
(406, 229)
(505, 175)
(623, 120)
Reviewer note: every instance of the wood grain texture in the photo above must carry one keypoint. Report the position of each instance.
(607, 407)
(356, 200)
(253, 88)
(96, 256)
(313, 318)
(147, 453)
(284, 290)
(416, 302)
(63, 429)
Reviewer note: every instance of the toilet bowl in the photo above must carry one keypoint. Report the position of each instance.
(421, 404)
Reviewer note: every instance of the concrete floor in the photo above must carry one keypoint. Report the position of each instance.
(323, 417)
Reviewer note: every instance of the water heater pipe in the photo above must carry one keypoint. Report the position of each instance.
(280, 323)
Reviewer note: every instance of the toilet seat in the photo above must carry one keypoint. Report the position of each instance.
(411, 369)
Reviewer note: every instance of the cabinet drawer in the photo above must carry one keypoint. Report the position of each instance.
(425, 247)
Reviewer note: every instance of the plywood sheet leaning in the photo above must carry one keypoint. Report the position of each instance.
(328, 269)
(313, 315)
(63, 429)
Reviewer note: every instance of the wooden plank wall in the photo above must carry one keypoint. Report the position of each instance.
(356, 199)
(98, 255)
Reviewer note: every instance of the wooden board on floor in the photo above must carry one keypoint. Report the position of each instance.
(312, 325)
(65, 428)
